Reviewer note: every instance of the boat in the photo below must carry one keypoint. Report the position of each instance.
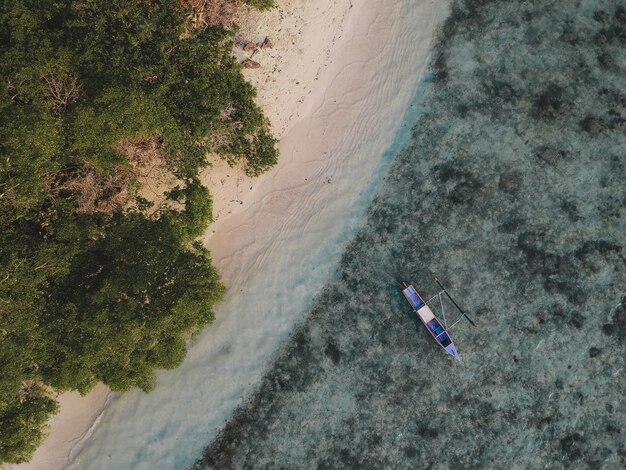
(437, 328)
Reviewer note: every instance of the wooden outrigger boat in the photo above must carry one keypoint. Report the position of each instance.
(437, 328)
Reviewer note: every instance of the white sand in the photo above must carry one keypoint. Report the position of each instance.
(75, 422)
(278, 237)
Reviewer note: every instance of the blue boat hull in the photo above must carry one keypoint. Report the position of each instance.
(431, 322)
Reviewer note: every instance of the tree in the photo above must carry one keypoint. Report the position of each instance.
(92, 288)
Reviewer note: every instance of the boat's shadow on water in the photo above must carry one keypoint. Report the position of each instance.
(513, 192)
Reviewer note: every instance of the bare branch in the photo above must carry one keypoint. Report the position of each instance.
(92, 191)
(227, 113)
(203, 13)
(13, 87)
(62, 88)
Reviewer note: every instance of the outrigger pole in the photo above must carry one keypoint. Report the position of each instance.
(455, 304)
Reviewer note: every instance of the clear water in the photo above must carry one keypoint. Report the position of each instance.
(513, 191)
(287, 246)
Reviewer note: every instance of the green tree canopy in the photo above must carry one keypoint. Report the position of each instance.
(102, 291)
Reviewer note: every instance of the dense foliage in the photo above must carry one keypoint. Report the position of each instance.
(102, 291)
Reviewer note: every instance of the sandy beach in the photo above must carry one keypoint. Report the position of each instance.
(336, 86)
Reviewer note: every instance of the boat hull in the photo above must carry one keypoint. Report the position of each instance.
(431, 322)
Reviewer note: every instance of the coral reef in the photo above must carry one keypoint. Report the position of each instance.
(513, 192)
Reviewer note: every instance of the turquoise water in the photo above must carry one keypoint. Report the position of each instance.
(513, 192)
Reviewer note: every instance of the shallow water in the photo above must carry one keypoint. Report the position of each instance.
(513, 192)
(278, 252)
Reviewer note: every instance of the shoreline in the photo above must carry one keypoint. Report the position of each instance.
(303, 38)
(321, 104)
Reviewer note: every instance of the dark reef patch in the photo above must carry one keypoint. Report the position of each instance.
(550, 103)
(512, 190)
(572, 446)
(594, 352)
(332, 352)
(617, 326)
